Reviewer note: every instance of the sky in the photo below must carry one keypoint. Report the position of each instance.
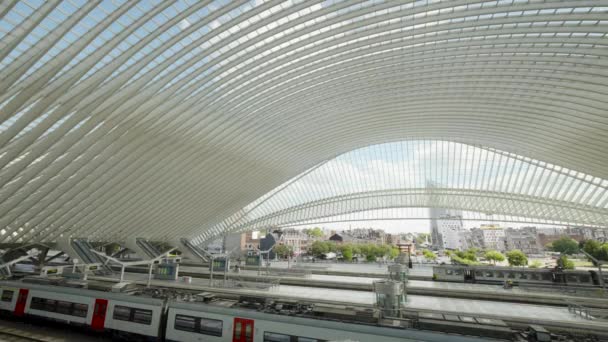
(398, 175)
(409, 225)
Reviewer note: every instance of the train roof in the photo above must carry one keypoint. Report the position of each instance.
(329, 324)
(83, 292)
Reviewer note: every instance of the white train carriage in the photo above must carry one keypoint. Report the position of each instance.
(99, 310)
(519, 275)
(189, 322)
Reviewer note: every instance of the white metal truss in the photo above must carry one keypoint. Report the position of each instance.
(428, 174)
(159, 118)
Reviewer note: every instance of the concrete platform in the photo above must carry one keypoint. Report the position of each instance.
(417, 287)
(492, 309)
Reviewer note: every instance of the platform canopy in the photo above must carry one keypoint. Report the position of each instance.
(163, 119)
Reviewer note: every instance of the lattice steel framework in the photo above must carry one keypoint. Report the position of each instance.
(428, 174)
(156, 118)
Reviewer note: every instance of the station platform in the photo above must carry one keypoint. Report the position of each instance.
(518, 313)
(415, 287)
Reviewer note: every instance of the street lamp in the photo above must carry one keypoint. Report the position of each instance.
(599, 266)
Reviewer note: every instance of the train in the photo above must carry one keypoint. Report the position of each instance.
(517, 275)
(138, 317)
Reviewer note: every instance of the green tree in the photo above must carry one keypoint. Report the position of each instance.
(469, 254)
(565, 263)
(394, 252)
(347, 253)
(282, 251)
(494, 256)
(319, 247)
(315, 232)
(429, 255)
(517, 258)
(535, 264)
(596, 249)
(565, 245)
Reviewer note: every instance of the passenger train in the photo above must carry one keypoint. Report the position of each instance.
(517, 275)
(144, 318)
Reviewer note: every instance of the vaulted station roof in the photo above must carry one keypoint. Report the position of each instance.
(156, 118)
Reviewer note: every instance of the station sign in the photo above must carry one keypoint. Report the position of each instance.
(219, 264)
(252, 260)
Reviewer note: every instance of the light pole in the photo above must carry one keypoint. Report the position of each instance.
(599, 267)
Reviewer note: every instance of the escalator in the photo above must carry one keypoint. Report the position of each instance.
(148, 248)
(83, 248)
(195, 250)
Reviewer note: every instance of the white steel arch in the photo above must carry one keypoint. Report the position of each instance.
(156, 118)
(428, 174)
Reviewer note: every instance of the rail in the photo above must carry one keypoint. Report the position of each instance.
(576, 291)
(259, 283)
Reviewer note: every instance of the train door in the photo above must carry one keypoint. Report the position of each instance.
(21, 301)
(243, 330)
(99, 314)
(469, 275)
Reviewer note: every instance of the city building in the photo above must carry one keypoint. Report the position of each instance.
(364, 235)
(493, 237)
(525, 239)
(296, 239)
(445, 225)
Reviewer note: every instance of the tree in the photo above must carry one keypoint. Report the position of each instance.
(470, 254)
(517, 258)
(565, 245)
(535, 264)
(565, 263)
(347, 253)
(494, 256)
(282, 251)
(429, 255)
(315, 232)
(394, 252)
(596, 249)
(319, 247)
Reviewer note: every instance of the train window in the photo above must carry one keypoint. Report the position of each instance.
(275, 337)
(478, 273)
(136, 315)
(185, 323)
(58, 306)
(7, 296)
(457, 272)
(64, 307)
(572, 278)
(500, 275)
(546, 276)
(489, 275)
(213, 327)
(121, 313)
(80, 310)
(199, 325)
(523, 276)
(142, 316)
(511, 275)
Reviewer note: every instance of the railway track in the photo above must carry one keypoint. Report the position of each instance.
(16, 335)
